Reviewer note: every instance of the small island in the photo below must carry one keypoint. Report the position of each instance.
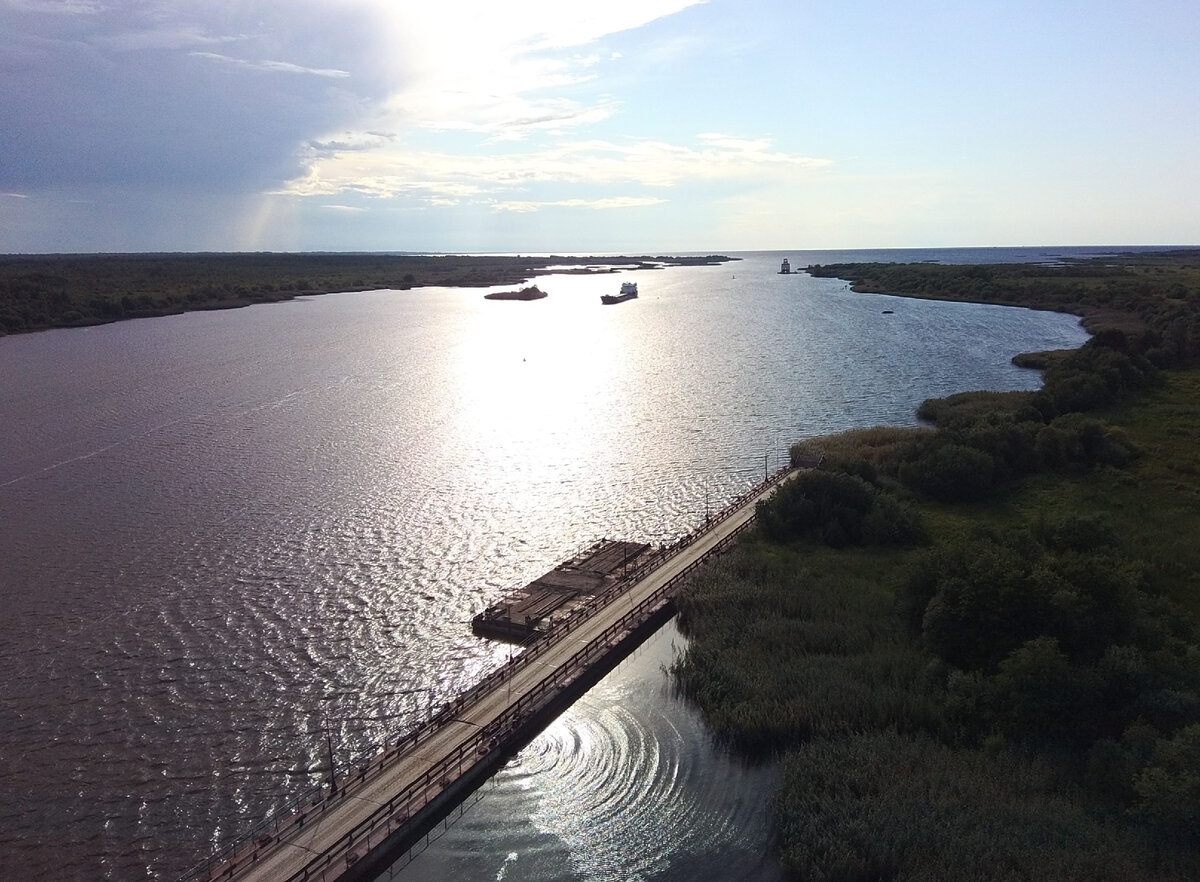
(533, 292)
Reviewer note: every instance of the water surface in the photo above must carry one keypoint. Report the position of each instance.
(223, 532)
(625, 786)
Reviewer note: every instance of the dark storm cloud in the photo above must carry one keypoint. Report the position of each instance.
(215, 95)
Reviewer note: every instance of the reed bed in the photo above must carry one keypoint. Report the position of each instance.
(800, 653)
(1015, 693)
(904, 807)
(784, 649)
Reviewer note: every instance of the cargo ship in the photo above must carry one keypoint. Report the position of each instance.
(628, 292)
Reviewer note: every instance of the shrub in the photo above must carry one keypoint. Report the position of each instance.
(891, 522)
(830, 506)
(966, 409)
(837, 509)
(949, 473)
(1091, 442)
(1039, 695)
(1077, 532)
(1094, 376)
(1169, 787)
(1012, 445)
(984, 605)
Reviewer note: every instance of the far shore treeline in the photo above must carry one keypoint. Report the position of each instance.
(38, 292)
(974, 646)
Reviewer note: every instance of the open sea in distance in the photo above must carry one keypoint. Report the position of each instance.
(225, 531)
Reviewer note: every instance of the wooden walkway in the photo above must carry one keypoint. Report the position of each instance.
(388, 803)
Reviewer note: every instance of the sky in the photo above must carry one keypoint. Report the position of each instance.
(536, 126)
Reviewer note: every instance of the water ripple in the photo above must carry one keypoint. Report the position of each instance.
(226, 533)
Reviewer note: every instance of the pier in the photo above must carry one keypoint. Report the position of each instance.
(356, 830)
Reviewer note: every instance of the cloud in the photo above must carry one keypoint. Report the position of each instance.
(349, 142)
(134, 94)
(507, 117)
(512, 76)
(596, 204)
(490, 68)
(502, 95)
(394, 171)
(273, 66)
(147, 92)
(163, 37)
(55, 7)
(463, 29)
(499, 108)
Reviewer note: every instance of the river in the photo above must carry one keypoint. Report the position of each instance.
(225, 533)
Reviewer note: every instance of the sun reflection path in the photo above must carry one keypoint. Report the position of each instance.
(525, 429)
(520, 367)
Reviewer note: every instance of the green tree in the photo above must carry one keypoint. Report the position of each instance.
(1169, 786)
(950, 473)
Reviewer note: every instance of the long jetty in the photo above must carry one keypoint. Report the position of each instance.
(355, 829)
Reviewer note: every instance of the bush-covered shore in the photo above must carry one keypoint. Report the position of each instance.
(68, 290)
(1130, 292)
(974, 646)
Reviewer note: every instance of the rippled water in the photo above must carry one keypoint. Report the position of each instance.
(625, 785)
(222, 531)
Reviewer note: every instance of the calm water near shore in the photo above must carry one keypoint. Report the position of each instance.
(625, 785)
(225, 531)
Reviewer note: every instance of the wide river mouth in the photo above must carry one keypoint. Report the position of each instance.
(225, 533)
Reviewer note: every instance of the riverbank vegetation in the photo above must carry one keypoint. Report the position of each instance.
(1130, 292)
(974, 646)
(54, 290)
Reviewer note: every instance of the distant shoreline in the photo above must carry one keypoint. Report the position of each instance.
(43, 292)
(1106, 291)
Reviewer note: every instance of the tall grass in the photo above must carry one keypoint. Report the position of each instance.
(786, 647)
(903, 807)
(799, 653)
(1064, 750)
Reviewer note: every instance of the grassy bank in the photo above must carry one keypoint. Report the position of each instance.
(51, 291)
(1131, 292)
(974, 646)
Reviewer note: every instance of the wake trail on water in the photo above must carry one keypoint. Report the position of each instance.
(245, 408)
(93, 453)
